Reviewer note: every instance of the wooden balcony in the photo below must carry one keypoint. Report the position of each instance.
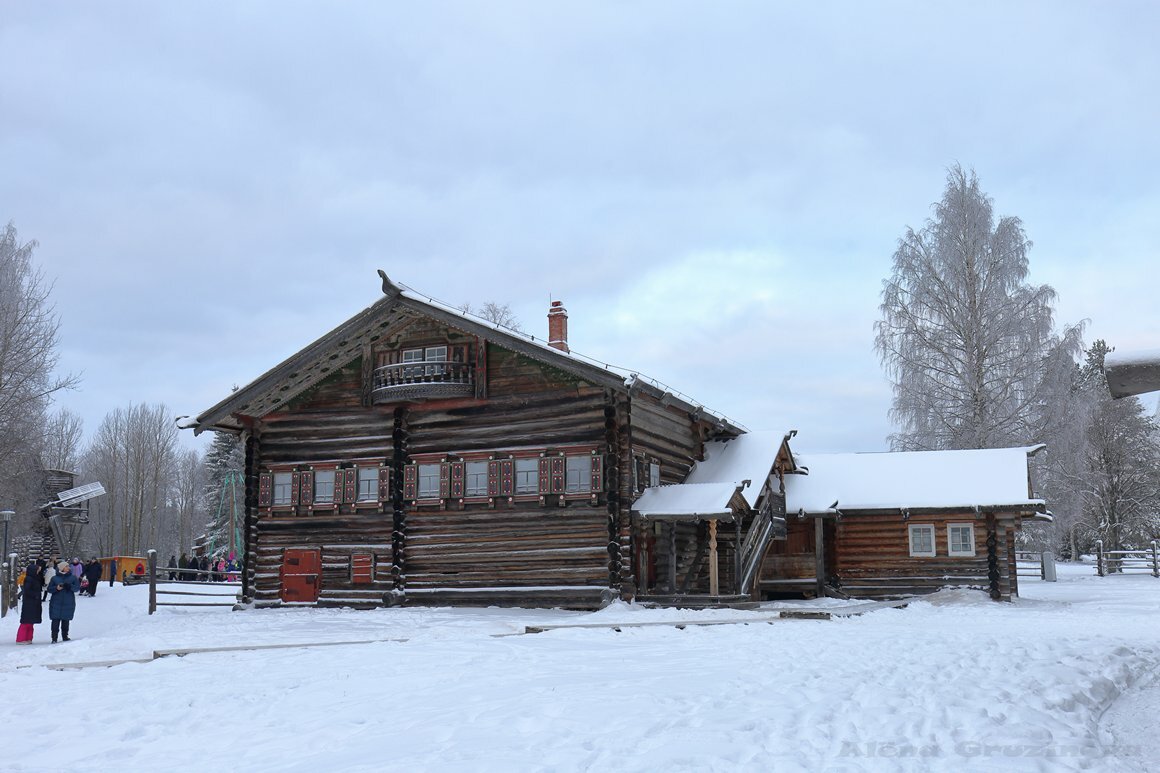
(422, 381)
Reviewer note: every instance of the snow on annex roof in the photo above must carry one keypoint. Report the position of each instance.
(696, 500)
(746, 457)
(986, 478)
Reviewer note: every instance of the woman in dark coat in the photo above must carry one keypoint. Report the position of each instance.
(93, 574)
(32, 609)
(63, 588)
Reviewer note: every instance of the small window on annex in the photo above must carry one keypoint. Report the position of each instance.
(922, 540)
(324, 487)
(961, 539)
(428, 481)
(578, 474)
(476, 474)
(368, 484)
(527, 476)
(281, 488)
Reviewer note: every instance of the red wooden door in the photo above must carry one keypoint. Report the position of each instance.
(300, 572)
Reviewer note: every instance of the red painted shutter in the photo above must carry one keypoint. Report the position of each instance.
(597, 474)
(493, 479)
(306, 487)
(507, 478)
(545, 475)
(350, 489)
(295, 484)
(444, 480)
(384, 484)
(557, 475)
(265, 489)
(362, 569)
(410, 482)
(457, 473)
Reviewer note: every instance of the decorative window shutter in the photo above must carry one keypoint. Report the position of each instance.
(362, 568)
(306, 487)
(597, 474)
(384, 484)
(350, 488)
(457, 480)
(444, 480)
(507, 478)
(493, 479)
(265, 489)
(557, 475)
(545, 474)
(295, 484)
(411, 482)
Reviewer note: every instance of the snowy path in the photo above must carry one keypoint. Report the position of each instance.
(951, 683)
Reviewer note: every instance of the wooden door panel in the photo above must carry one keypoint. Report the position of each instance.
(300, 574)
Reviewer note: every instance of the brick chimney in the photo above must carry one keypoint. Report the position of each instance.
(558, 326)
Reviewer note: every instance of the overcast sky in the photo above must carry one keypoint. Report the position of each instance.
(715, 191)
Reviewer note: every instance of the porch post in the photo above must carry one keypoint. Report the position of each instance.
(820, 555)
(714, 582)
(672, 556)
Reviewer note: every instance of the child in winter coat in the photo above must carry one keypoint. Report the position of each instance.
(63, 588)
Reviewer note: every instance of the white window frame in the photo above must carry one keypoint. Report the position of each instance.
(409, 356)
(368, 493)
(960, 553)
(426, 475)
(282, 482)
(436, 354)
(577, 474)
(654, 474)
(319, 499)
(472, 487)
(927, 527)
(527, 480)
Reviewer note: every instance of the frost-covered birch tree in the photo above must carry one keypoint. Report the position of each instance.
(28, 359)
(963, 336)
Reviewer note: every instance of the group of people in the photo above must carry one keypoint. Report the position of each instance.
(63, 587)
(204, 569)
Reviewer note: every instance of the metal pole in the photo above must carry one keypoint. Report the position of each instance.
(4, 589)
(1100, 557)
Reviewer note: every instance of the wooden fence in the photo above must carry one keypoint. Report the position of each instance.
(155, 590)
(1125, 561)
(1041, 565)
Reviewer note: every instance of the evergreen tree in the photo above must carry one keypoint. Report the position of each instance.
(1121, 479)
(224, 492)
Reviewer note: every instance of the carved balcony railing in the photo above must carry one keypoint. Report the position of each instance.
(422, 380)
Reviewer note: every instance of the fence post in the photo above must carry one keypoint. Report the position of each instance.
(1047, 566)
(152, 581)
(1155, 563)
(1100, 557)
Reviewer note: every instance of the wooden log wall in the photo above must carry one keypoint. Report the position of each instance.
(456, 555)
(872, 556)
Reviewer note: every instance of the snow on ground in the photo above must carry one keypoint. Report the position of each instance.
(1066, 678)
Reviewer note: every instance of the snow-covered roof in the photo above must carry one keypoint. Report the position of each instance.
(747, 457)
(995, 477)
(317, 361)
(704, 500)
